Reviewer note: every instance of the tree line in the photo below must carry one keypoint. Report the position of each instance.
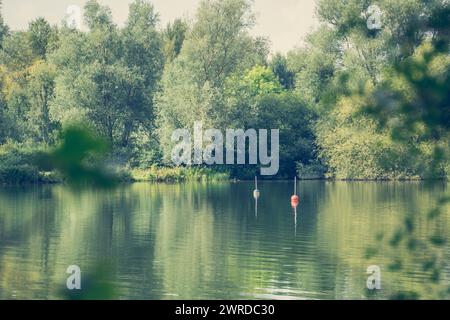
(351, 103)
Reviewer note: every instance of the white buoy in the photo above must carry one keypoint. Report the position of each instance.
(256, 195)
(256, 192)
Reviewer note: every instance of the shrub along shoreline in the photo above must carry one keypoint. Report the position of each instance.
(29, 174)
(18, 165)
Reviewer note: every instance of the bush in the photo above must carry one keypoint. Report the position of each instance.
(19, 174)
(312, 171)
(177, 174)
(17, 166)
(355, 148)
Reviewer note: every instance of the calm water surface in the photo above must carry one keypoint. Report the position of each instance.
(208, 241)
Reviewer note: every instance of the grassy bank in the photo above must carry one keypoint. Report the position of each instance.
(30, 174)
(18, 166)
(178, 174)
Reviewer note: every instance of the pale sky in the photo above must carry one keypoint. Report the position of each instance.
(284, 22)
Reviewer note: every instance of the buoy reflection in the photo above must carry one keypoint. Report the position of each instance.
(256, 195)
(295, 221)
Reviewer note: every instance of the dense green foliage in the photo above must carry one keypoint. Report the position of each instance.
(345, 68)
(340, 100)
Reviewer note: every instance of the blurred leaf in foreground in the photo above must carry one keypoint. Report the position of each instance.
(80, 158)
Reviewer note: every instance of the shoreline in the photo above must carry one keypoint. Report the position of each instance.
(28, 174)
(212, 179)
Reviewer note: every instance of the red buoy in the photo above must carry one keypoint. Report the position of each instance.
(295, 201)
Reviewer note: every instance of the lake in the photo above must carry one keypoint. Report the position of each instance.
(208, 241)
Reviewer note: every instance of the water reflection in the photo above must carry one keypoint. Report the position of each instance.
(256, 195)
(295, 221)
(192, 241)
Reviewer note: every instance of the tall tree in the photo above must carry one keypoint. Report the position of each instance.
(174, 35)
(142, 48)
(280, 68)
(218, 46)
(108, 76)
(40, 89)
(16, 57)
(143, 54)
(219, 42)
(16, 53)
(3, 27)
(97, 16)
(316, 65)
(39, 32)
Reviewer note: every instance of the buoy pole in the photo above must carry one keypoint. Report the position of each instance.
(295, 185)
(295, 199)
(256, 195)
